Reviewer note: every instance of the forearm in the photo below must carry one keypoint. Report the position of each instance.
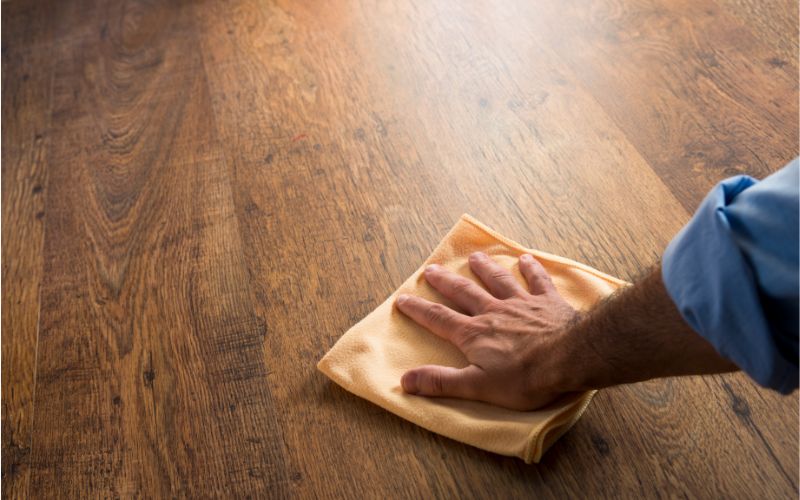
(637, 334)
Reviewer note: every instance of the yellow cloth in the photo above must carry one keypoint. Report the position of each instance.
(372, 356)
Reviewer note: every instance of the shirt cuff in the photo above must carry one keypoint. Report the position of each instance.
(715, 290)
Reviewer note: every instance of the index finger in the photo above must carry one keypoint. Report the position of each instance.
(464, 292)
(438, 318)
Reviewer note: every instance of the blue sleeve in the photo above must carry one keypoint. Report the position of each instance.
(732, 271)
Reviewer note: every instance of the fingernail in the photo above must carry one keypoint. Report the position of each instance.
(402, 298)
(526, 257)
(409, 382)
(478, 256)
(432, 268)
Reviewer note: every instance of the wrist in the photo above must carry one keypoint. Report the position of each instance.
(582, 365)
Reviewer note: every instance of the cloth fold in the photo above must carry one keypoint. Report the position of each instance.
(369, 359)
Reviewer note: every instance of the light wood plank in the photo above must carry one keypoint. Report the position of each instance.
(150, 379)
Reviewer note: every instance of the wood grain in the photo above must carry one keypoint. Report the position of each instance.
(150, 356)
(225, 187)
(27, 81)
(773, 21)
(703, 84)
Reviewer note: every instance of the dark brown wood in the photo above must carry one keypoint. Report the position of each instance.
(199, 198)
(27, 80)
(150, 374)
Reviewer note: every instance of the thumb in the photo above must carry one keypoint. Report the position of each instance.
(443, 381)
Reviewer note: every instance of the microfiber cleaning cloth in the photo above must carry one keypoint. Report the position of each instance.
(369, 359)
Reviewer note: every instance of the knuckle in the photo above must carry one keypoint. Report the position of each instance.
(500, 275)
(471, 330)
(541, 274)
(461, 286)
(494, 306)
(483, 325)
(507, 281)
(492, 325)
(435, 382)
(435, 313)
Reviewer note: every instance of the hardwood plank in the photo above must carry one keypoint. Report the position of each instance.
(729, 394)
(150, 374)
(228, 186)
(696, 93)
(27, 80)
(746, 79)
(774, 22)
(767, 413)
(456, 113)
(519, 140)
(293, 178)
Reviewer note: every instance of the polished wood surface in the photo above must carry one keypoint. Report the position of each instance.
(199, 198)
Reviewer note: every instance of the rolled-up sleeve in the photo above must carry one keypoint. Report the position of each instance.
(732, 271)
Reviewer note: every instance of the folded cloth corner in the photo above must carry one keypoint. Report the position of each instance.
(369, 359)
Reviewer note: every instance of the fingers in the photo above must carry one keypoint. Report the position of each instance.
(464, 292)
(437, 318)
(539, 281)
(443, 381)
(497, 279)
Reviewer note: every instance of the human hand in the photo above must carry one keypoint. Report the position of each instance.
(513, 338)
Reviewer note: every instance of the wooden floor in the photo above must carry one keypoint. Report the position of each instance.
(199, 198)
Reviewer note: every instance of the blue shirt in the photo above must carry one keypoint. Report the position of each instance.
(732, 271)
